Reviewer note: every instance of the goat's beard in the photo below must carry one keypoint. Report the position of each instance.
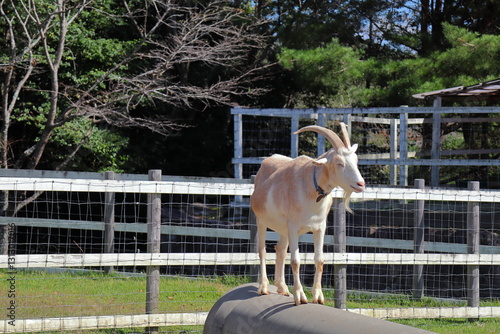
(347, 200)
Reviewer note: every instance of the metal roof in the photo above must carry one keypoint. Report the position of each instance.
(484, 90)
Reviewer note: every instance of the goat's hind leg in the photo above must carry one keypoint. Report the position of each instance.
(261, 249)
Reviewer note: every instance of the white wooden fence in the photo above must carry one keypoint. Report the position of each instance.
(449, 254)
(399, 157)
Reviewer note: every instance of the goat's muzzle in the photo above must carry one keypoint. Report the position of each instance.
(360, 187)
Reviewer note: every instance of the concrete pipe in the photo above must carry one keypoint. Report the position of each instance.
(243, 311)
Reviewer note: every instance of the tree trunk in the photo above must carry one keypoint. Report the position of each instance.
(425, 17)
(54, 94)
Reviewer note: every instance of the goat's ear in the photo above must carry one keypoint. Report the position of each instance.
(320, 162)
(353, 148)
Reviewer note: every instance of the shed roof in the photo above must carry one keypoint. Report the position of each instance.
(483, 90)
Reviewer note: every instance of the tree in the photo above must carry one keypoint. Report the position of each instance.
(417, 26)
(470, 58)
(310, 24)
(64, 67)
(69, 70)
(330, 76)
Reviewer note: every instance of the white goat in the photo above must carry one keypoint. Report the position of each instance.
(291, 197)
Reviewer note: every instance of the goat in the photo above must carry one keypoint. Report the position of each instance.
(292, 197)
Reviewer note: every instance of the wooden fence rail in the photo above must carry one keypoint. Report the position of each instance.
(216, 259)
(229, 188)
(166, 229)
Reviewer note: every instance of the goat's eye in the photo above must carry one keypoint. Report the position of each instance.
(340, 165)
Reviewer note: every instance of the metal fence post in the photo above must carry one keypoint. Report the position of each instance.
(321, 139)
(473, 243)
(294, 142)
(403, 149)
(393, 180)
(436, 142)
(109, 221)
(238, 145)
(418, 243)
(153, 244)
(340, 246)
(347, 121)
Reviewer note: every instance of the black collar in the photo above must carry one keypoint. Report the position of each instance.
(321, 193)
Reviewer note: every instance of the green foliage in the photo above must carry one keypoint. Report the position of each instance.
(96, 41)
(355, 53)
(330, 76)
(470, 58)
(101, 148)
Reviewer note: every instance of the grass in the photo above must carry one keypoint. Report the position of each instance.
(455, 326)
(86, 293)
(43, 294)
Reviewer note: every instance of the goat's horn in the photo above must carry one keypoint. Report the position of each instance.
(332, 137)
(347, 141)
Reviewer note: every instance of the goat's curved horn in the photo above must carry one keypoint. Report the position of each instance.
(332, 137)
(347, 141)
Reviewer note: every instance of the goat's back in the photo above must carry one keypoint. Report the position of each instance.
(269, 166)
(276, 178)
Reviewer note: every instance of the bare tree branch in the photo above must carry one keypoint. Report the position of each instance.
(173, 43)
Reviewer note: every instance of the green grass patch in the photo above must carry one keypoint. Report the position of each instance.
(87, 293)
(44, 294)
(455, 326)
(162, 330)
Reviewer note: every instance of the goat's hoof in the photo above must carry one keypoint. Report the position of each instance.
(263, 291)
(283, 291)
(318, 298)
(302, 301)
(300, 298)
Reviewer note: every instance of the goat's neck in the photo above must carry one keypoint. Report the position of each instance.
(323, 178)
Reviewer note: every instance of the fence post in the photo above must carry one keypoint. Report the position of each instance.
(238, 145)
(473, 230)
(294, 142)
(4, 228)
(418, 243)
(347, 121)
(321, 139)
(339, 246)
(436, 142)
(393, 152)
(153, 244)
(252, 222)
(109, 220)
(403, 149)
(4, 239)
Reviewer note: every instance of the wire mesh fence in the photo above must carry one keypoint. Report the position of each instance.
(55, 242)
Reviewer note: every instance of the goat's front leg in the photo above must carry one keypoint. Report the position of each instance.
(261, 248)
(298, 292)
(279, 278)
(317, 293)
